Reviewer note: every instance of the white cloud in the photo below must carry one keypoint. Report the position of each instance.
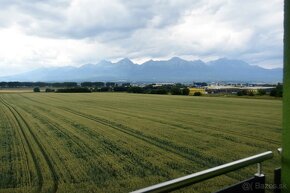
(21, 52)
(62, 32)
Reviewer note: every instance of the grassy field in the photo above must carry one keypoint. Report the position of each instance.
(15, 90)
(110, 142)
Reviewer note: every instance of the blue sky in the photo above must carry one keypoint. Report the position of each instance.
(50, 33)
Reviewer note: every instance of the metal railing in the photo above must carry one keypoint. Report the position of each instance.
(209, 173)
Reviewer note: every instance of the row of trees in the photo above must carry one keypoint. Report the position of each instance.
(65, 90)
(177, 89)
(74, 90)
(36, 84)
(275, 92)
(278, 91)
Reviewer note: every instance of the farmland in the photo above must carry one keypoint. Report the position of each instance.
(114, 142)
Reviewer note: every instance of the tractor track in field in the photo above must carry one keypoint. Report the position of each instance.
(22, 141)
(57, 127)
(224, 118)
(213, 128)
(107, 143)
(20, 118)
(129, 131)
(36, 164)
(168, 146)
(149, 139)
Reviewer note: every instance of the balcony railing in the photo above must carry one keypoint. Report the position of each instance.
(209, 173)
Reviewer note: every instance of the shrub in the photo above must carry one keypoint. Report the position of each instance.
(104, 89)
(185, 91)
(251, 93)
(74, 90)
(135, 89)
(261, 92)
(242, 92)
(120, 89)
(197, 94)
(159, 91)
(36, 89)
(175, 91)
(278, 91)
(49, 90)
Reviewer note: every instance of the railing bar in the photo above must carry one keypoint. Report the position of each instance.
(206, 174)
(259, 169)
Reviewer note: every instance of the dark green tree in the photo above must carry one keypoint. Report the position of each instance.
(175, 91)
(185, 91)
(49, 90)
(197, 94)
(242, 92)
(251, 93)
(36, 89)
(261, 92)
(135, 89)
(278, 91)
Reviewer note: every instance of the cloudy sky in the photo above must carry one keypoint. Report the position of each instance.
(46, 33)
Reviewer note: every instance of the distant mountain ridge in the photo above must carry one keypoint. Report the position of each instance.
(173, 70)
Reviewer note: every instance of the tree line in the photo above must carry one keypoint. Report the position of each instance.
(275, 92)
(176, 89)
(149, 89)
(37, 84)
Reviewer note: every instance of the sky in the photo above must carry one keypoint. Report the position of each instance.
(52, 33)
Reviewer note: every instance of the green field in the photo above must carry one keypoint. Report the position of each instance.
(110, 142)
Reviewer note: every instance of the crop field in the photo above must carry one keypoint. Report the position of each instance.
(114, 142)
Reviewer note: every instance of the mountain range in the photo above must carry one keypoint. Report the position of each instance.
(173, 70)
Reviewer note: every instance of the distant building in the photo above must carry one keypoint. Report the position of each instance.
(235, 89)
(222, 89)
(126, 84)
(199, 84)
(162, 84)
(257, 88)
(194, 90)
